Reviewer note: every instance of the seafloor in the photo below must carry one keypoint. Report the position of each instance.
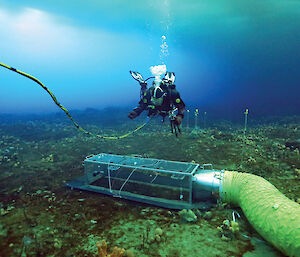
(40, 216)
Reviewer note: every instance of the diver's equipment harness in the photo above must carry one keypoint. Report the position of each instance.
(169, 80)
(175, 128)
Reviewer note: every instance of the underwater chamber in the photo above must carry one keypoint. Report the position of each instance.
(168, 184)
(182, 185)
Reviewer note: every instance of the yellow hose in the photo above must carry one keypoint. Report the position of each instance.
(67, 112)
(274, 216)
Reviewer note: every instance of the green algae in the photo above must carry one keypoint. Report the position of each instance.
(38, 158)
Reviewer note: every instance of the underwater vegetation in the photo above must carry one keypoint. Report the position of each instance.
(40, 216)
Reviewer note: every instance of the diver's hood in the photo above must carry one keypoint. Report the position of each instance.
(137, 76)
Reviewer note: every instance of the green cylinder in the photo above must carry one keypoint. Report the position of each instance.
(274, 216)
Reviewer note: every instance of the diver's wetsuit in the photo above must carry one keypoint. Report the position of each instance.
(162, 105)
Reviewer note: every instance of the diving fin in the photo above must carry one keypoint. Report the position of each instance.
(137, 76)
(170, 76)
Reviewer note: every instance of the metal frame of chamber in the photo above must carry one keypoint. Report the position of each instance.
(168, 184)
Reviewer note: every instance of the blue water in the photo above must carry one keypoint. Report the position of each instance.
(227, 56)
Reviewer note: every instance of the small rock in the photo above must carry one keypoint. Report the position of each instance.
(157, 238)
(158, 231)
(187, 216)
(224, 238)
(207, 215)
(57, 243)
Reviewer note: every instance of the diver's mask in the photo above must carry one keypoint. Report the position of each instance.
(167, 82)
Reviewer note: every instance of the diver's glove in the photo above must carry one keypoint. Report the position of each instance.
(132, 115)
(178, 119)
(175, 124)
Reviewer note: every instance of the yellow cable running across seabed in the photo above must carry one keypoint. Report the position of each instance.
(67, 112)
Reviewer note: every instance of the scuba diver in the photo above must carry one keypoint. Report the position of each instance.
(163, 100)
